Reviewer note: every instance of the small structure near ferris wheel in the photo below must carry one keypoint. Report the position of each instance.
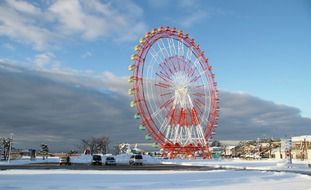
(174, 92)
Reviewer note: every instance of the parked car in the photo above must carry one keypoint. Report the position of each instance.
(136, 160)
(110, 160)
(97, 160)
(64, 160)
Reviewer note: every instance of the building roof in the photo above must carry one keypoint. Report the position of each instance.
(302, 138)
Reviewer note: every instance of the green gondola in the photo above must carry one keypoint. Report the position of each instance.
(141, 127)
(137, 48)
(131, 67)
(137, 116)
(133, 104)
(148, 137)
(130, 91)
(155, 145)
(131, 79)
(134, 57)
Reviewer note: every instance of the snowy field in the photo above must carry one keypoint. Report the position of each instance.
(211, 180)
(261, 165)
(217, 179)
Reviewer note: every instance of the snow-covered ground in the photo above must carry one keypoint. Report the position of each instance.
(269, 164)
(272, 164)
(193, 180)
(218, 179)
(26, 160)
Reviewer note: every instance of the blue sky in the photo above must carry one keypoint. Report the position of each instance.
(260, 48)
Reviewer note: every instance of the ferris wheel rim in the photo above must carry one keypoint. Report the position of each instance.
(145, 47)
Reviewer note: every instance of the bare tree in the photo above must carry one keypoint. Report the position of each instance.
(5, 144)
(44, 151)
(216, 143)
(96, 145)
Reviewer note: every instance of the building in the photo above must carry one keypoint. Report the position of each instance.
(229, 151)
(301, 147)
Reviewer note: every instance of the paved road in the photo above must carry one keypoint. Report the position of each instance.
(117, 167)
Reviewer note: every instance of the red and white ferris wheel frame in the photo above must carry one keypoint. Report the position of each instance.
(141, 51)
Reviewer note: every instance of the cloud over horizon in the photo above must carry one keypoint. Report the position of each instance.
(61, 109)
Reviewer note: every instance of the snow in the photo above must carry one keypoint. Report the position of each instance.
(81, 159)
(26, 160)
(302, 138)
(261, 165)
(193, 180)
(254, 174)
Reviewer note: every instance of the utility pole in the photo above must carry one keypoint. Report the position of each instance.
(289, 143)
(10, 146)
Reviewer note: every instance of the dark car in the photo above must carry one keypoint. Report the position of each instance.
(110, 160)
(97, 160)
(136, 160)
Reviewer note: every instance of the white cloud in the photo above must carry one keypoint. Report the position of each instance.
(24, 7)
(41, 60)
(86, 54)
(194, 18)
(189, 13)
(23, 28)
(8, 46)
(46, 61)
(115, 83)
(47, 27)
(95, 19)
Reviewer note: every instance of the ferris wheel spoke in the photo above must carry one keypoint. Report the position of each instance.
(190, 72)
(163, 48)
(164, 77)
(199, 94)
(168, 102)
(167, 67)
(166, 94)
(179, 68)
(199, 102)
(164, 72)
(183, 66)
(163, 85)
(154, 114)
(163, 45)
(164, 69)
(155, 55)
(174, 67)
(199, 75)
(198, 108)
(199, 86)
(189, 53)
(180, 47)
(163, 126)
(171, 46)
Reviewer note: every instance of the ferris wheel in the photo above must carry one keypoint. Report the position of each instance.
(174, 92)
